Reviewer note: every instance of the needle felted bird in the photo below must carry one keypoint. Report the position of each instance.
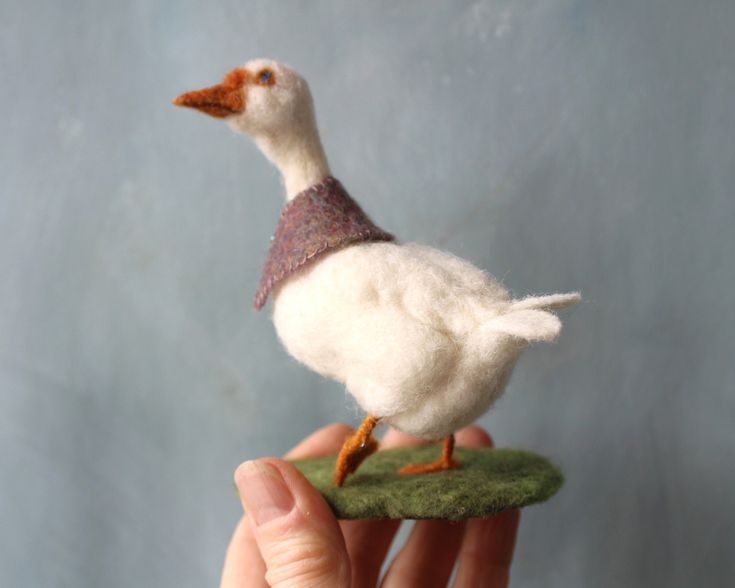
(423, 340)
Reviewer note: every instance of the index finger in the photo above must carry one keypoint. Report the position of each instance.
(428, 556)
(320, 443)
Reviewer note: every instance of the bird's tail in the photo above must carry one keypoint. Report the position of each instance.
(530, 319)
(548, 302)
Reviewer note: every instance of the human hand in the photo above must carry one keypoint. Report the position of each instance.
(290, 537)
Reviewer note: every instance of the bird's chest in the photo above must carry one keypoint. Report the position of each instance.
(314, 313)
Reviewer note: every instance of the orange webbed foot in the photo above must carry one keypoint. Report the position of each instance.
(445, 461)
(428, 468)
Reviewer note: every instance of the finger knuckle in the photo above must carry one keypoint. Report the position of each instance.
(304, 562)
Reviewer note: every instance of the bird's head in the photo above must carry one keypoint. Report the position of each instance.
(272, 103)
(261, 98)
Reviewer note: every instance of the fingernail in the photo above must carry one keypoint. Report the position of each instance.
(263, 491)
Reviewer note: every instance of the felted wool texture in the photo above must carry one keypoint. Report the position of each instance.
(281, 119)
(490, 481)
(221, 100)
(272, 103)
(420, 338)
(316, 222)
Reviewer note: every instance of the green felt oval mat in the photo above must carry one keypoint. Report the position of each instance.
(490, 481)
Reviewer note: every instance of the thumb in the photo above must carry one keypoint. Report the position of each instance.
(296, 532)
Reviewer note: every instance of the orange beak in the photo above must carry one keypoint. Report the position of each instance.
(220, 101)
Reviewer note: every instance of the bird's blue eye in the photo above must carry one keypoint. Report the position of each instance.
(265, 77)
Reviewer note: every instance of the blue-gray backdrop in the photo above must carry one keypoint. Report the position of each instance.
(559, 144)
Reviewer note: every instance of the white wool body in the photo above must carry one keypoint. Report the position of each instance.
(422, 339)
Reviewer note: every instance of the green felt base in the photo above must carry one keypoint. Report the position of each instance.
(490, 481)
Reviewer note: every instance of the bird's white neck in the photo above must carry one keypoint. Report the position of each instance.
(299, 156)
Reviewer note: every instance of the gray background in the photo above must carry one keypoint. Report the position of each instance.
(558, 144)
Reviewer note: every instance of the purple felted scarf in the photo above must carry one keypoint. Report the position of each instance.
(319, 220)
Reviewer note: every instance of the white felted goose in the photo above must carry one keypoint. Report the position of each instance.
(423, 340)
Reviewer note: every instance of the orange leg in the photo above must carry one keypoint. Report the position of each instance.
(444, 462)
(355, 449)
